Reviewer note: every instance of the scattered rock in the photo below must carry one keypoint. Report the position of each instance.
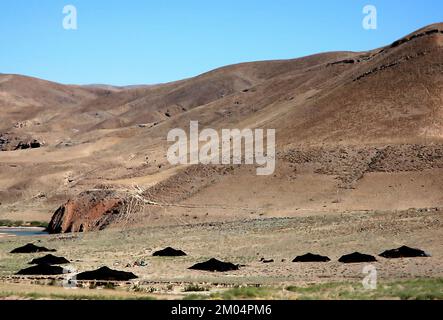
(50, 259)
(346, 61)
(351, 163)
(169, 252)
(403, 252)
(42, 270)
(138, 263)
(141, 263)
(31, 248)
(357, 257)
(414, 36)
(106, 274)
(215, 265)
(33, 144)
(310, 257)
(39, 195)
(11, 142)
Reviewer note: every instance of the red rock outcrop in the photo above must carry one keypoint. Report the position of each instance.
(90, 211)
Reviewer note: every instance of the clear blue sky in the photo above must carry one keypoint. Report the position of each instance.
(151, 41)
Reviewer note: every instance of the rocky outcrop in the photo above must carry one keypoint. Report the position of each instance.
(3, 142)
(415, 36)
(346, 61)
(89, 211)
(32, 144)
(10, 142)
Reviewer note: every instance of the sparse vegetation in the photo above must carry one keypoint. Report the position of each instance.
(11, 223)
(170, 287)
(37, 296)
(195, 288)
(52, 282)
(109, 286)
(19, 223)
(137, 288)
(36, 292)
(112, 247)
(195, 297)
(152, 290)
(244, 293)
(417, 289)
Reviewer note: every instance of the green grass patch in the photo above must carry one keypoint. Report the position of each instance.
(195, 297)
(57, 296)
(20, 223)
(244, 293)
(194, 288)
(109, 286)
(417, 289)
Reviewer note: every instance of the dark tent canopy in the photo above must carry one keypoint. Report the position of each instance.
(50, 259)
(169, 252)
(214, 265)
(106, 274)
(266, 260)
(403, 252)
(309, 257)
(31, 248)
(357, 257)
(42, 270)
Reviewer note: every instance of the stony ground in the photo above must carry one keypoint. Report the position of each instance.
(246, 242)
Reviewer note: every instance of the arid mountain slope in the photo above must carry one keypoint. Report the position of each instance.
(390, 95)
(30, 99)
(355, 131)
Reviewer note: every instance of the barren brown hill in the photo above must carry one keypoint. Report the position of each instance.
(355, 131)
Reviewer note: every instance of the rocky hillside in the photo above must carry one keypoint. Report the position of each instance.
(355, 131)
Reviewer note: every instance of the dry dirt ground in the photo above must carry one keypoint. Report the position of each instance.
(245, 243)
